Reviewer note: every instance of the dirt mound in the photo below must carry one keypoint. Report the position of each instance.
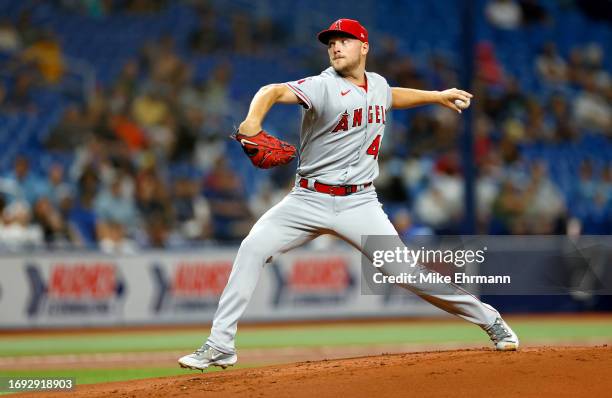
(531, 372)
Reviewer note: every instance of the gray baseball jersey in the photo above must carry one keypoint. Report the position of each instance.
(342, 127)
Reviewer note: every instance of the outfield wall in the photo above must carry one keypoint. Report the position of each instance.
(89, 288)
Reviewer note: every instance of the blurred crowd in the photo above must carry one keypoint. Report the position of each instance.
(515, 195)
(150, 166)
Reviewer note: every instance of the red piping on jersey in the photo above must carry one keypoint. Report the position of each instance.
(300, 94)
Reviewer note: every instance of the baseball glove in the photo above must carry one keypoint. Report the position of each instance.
(264, 150)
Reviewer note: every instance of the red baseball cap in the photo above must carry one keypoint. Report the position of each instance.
(347, 26)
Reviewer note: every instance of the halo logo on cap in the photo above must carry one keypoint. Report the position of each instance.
(349, 27)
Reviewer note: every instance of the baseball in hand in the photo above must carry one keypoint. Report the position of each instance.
(462, 104)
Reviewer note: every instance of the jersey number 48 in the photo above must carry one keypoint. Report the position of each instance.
(374, 147)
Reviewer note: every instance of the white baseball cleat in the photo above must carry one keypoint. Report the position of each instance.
(502, 336)
(206, 356)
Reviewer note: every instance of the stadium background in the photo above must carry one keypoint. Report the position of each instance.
(114, 124)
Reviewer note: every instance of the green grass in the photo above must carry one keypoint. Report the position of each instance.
(88, 376)
(306, 336)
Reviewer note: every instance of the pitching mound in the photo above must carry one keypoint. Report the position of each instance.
(531, 372)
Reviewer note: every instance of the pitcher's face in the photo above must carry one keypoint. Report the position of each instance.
(346, 53)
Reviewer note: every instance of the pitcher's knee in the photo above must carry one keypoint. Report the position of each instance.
(254, 249)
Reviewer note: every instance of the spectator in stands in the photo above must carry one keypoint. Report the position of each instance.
(576, 70)
(267, 31)
(128, 131)
(508, 209)
(440, 206)
(593, 63)
(487, 188)
(71, 132)
(128, 79)
(560, 118)
(207, 37)
(112, 206)
(83, 221)
(591, 109)
(421, 139)
(191, 210)
(22, 184)
(406, 74)
(158, 235)
(489, 69)
(536, 126)
(46, 54)
(440, 73)
(151, 198)
(407, 228)
(513, 101)
(113, 239)
(230, 214)
(446, 123)
(186, 134)
(431, 207)
(156, 212)
(165, 68)
(605, 187)
(116, 219)
(216, 97)
(390, 184)
(482, 139)
(242, 34)
(551, 66)
(597, 216)
(587, 184)
(10, 40)
(19, 98)
(380, 56)
(149, 109)
(448, 179)
(119, 100)
(97, 117)
(545, 207)
(17, 233)
(55, 188)
(504, 14)
(163, 137)
(25, 27)
(56, 233)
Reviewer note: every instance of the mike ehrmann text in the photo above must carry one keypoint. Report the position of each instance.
(433, 277)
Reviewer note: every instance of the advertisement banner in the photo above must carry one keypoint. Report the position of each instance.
(93, 289)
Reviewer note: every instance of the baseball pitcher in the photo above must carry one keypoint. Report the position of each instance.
(343, 123)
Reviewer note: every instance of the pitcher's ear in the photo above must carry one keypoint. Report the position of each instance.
(365, 47)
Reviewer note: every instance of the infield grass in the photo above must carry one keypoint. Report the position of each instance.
(533, 331)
